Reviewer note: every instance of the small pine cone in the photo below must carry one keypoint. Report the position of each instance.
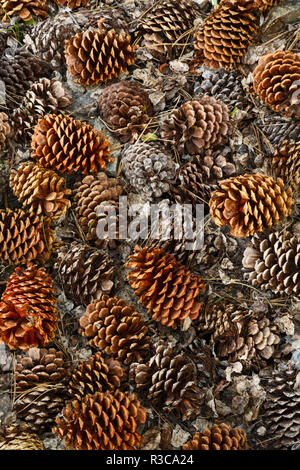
(24, 237)
(266, 5)
(72, 3)
(64, 144)
(199, 124)
(273, 262)
(276, 129)
(28, 313)
(219, 437)
(250, 203)
(169, 380)
(98, 56)
(148, 169)
(5, 130)
(25, 9)
(223, 38)
(85, 273)
(286, 163)
(40, 191)
(221, 319)
(96, 375)
(103, 421)
(20, 437)
(165, 287)
(126, 108)
(281, 410)
(116, 329)
(88, 194)
(166, 27)
(44, 97)
(276, 82)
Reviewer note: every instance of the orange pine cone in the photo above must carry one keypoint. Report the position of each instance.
(219, 437)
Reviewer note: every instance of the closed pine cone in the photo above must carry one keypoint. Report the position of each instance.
(166, 26)
(250, 203)
(72, 3)
(126, 108)
(96, 375)
(28, 313)
(273, 262)
(20, 437)
(164, 286)
(5, 130)
(85, 273)
(64, 144)
(88, 194)
(24, 237)
(25, 9)
(98, 56)
(41, 377)
(285, 162)
(103, 421)
(275, 80)
(223, 38)
(219, 437)
(116, 329)
(40, 191)
(169, 379)
(198, 124)
(276, 129)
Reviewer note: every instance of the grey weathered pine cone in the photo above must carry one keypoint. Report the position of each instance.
(275, 129)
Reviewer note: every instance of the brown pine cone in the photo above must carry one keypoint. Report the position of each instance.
(169, 380)
(126, 108)
(40, 191)
(41, 378)
(165, 287)
(166, 27)
(64, 144)
(286, 163)
(24, 237)
(199, 124)
(276, 82)
(5, 130)
(72, 3)
(28, 313)
(221, 319)
(20, 437)
(103, 421)
(98, 56)
(116, 329)
(250, 203)
(85, 273)
(88, 194)
(266, 5)
(224, 37)
(273, 262)
(96, 375)
(25, 9)
(219, 437)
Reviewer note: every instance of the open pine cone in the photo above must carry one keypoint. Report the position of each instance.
(28, 313)
(25, 9)
(285, 162)
(64, 144)
(266, 5)
(250, 203)
(20, 437)
(219, 437)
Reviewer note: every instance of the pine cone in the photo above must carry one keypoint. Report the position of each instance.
(219, 437)
(72, 3)
(96, 375)
(85, 273)
(5, 130)
(126, 108)
(166, 26)
(221, 319)
(64, 144)
(44, 97)
(250, 203)
(273, 262)
(148, 169)
(28, 312)
(169, 380)
(41, 378)
(280, 411)
(286, 163)
(103, 421)
(224, 37)
(24, 237)
(20, 437)
(40, 191)
(277, 129)
(276, 82)
(115, 328)
(87, 196)
(25, 9)
(266, 5)
(199, 124)
(98, 56)
(165, 287)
